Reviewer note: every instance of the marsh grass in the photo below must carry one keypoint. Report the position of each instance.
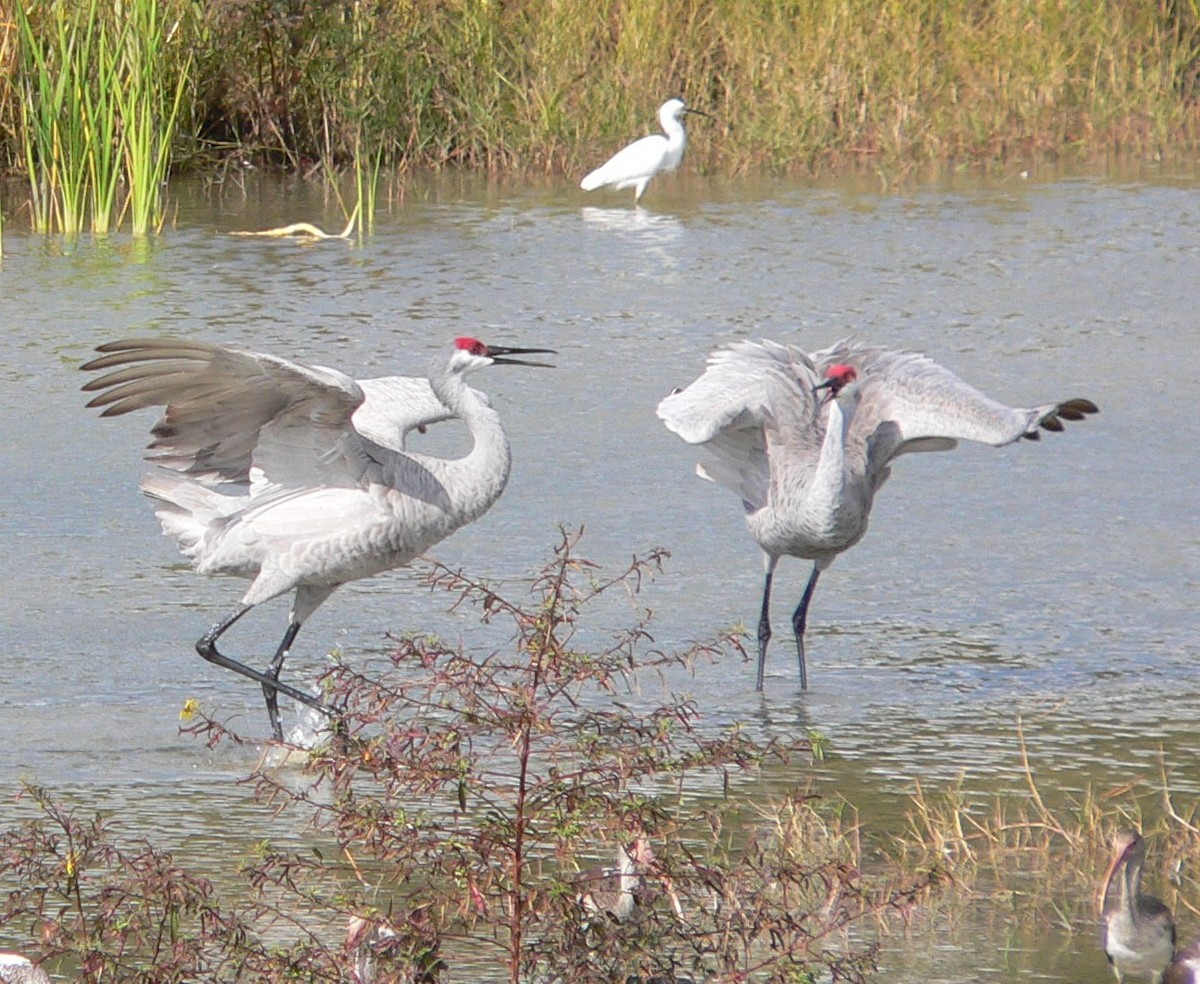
(551, 85)
(55, 113)
(1047, 861)
(554, 85)
(149, 99)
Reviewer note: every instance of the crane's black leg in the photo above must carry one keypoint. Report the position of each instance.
(207, 647)
(800, 621)
(764, 626)
(272, 692)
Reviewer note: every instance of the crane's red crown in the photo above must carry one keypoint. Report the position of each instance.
(472, 345)
(836, 377)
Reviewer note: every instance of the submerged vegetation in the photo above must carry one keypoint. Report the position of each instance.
(551, 84)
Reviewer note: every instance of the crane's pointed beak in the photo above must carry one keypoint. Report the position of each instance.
(498, 354)
(699, 112)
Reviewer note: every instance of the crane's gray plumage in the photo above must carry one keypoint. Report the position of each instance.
(807, 466)
(297, 476)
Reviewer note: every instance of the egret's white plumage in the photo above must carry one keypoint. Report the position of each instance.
(16, 969)
(296, 476)
(635, 165)
(807, 465)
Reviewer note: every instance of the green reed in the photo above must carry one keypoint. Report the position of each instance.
(149, 101)
(53, 114)
(98, 107)
(102, 137)
(366, 187)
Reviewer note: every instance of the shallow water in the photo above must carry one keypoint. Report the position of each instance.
(1054, 583)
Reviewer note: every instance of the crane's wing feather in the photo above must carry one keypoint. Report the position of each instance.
(910, 403)
(232, 416)
(747, 387)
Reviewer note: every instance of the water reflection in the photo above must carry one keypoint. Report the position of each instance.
(1053, 582)
(637, 221)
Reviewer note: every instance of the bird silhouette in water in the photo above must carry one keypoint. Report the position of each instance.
(613, 892)
(297, 477)
(805, 441)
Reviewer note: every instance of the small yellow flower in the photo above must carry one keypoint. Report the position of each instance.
(191, 707)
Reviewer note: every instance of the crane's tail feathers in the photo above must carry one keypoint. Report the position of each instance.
(1051, 417)
(186, 510)
(593, 180)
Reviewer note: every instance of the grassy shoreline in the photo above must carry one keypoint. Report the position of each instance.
(548, 85)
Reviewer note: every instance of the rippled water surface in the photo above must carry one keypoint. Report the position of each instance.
(1052, 582)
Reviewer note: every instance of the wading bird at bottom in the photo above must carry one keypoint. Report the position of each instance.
(1138, 932)
(17, 969)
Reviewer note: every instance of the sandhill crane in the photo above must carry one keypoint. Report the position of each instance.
(1138, 933)
(296, 476)
(16, 969)
(634, 166)
(805, 441)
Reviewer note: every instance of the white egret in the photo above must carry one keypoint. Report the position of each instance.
(634, 166)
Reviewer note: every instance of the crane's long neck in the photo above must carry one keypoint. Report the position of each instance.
(1131, 889)
(481, 476)
(827, 491)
